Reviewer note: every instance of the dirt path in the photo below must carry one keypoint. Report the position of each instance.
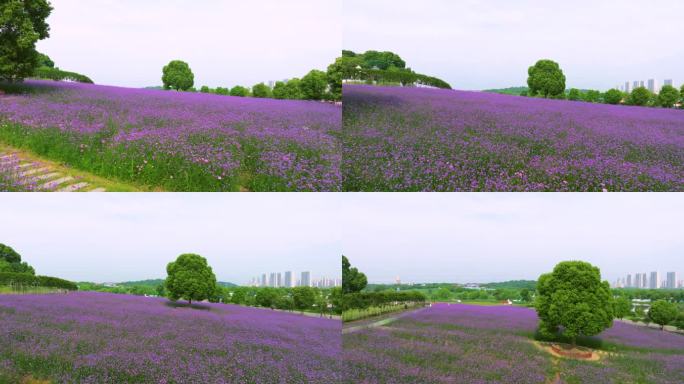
(378, 322)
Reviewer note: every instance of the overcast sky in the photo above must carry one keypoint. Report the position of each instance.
(226, 42)
(476, 44)
(486, 237)
(122, 237)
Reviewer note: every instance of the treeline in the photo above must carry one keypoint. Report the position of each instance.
(676, 295)
(546, 79)
(363, 300)
(25, 280)
(46, 70)
(315, 85)
(375, 67)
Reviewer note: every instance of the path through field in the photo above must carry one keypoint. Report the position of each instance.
(381, 321)
(45, 177)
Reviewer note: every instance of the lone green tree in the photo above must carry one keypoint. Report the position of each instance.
(303, 297)
(668, 96)
(640, 96)
(546, 79)
(612, 96)
(314, 85)
(663, 313)
(574, 94)
(573, 300)
(239, 91)
(623, 307)
(190, 278)
(352, 280)
(178, 75)
(22, 24)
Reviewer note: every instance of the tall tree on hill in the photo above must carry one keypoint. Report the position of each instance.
(573, 300)
(22, 24)
(314, 85)
(668, 96)
(352, 280)
(190, 278)
(546, 79)
(178, 75)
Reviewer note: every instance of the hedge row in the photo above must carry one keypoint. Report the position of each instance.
(58, 75)
(402, 77)
(24, 279)
(362, 300)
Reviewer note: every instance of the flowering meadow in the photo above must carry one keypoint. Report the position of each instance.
(177, 141)
(10, 176)
(417, 139)
(461, 343)
(107, 338)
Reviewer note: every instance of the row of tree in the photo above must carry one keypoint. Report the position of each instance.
(17, 273)
(546, 79)
(375, 67)
(315, 85)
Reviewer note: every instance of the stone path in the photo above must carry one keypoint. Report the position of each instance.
(43, 177)
(351, 327)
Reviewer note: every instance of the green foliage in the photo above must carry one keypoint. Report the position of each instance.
(362, 313)
(303, 297)
(380, 60)
(261, 90)
(239, 91)
(58, 75)
(45, 61)
(573, 301)
(314, 85)
(377, 299)
(525, 295)
(29, 280)
(546, 79)
(352, 279)
(266, 297)
(178, 75)
(639, 96)
(663, 313)
(10, 261)
(591, 96)
(668, 96)
(223, 91)
(574, 94)
(516, 91)
(622, 307)
(22, 24)
(342, 68)
(612, 96)
(513, 284)
(190, 278)
(9, 255)
(205, 89)
(681, 93)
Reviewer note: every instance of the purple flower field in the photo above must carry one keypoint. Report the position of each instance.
(178, 141)
(108, 338)
(416, 139)
(493, 344)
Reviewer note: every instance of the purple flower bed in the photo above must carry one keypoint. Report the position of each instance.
(11, 179)
(99, 337)
(184, 141)
(413, 139)
(492, 344)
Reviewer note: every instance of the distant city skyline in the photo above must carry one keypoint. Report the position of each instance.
(129, 237)
(507, 236)
(226, 43)
(289, 279)
(476, 45)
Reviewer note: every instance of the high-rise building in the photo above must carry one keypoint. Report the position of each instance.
(272, 279)
(668, 82)
(635, 85)
(629, 281)
(641, 83)
(279, 280)
(653, 86)
(654, 280)
(671, 281)
(263, 280)
(644, 280)
(288, 279)
(627, 89)
(306, 279)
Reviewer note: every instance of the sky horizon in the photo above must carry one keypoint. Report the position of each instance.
(494, 237)
(128, 237)
(226, 43)
(475, 45)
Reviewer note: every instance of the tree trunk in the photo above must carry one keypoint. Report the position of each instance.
(190, 302)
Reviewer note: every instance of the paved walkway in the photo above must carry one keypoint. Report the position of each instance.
(381, 322)
(43, 177)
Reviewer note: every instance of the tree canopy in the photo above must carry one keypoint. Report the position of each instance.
(573, 300)
(190, 278)
(239, 91)
(314, 85)
(612, 96)
(352, 279)
(668, 96)
(546, 79)
(178, 75)
(574, 94)
(261, 90)
(22, 24)
(10, 261)
(663, 313)
(623, 307)
(640, 96)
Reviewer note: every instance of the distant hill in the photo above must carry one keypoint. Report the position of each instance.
(513, 284)
(508, 91)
